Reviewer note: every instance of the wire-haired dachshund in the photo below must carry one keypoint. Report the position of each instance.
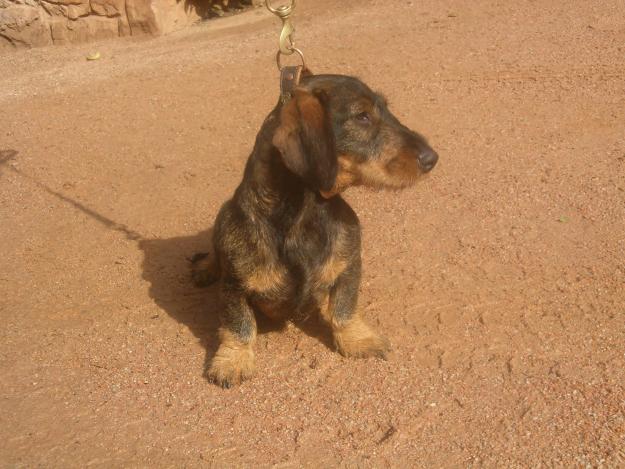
(287, 244)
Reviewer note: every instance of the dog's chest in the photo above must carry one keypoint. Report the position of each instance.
(315, 250)
(301, 277)
(286, 294)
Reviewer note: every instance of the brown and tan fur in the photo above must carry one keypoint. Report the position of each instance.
(287, 244)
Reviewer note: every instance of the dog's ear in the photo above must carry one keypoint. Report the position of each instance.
(306, 140)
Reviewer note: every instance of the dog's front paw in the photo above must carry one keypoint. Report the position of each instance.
(356, 339)
(231, 365)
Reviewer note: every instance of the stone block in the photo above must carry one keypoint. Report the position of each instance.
(78, 10)
(23, 26)
(83, 29)
(108, 7)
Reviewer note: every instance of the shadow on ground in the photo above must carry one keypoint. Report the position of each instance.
(167, 267)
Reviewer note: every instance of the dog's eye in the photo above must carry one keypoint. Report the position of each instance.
(363, 118)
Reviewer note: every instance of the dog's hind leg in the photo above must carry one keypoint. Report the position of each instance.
(352, 336)
(204, 269)
(234, 360)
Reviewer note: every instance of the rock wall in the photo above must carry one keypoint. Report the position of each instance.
(31, 23)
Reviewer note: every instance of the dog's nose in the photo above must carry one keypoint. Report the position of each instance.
(428, 159)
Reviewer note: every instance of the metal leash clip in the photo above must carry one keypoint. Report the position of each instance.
(287, 43)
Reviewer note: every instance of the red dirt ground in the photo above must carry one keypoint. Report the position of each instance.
(499, 280)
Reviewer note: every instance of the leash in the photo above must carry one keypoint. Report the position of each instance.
(290, 75)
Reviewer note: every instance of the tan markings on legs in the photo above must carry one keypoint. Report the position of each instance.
(336, 263)
(234, 360)
(331, 270)
(324, 309)
(356, 339)
(353, 338)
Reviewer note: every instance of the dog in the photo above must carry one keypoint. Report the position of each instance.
(287, 244)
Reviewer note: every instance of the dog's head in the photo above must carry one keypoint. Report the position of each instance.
(336, 133)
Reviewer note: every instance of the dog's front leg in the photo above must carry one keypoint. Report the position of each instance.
(352, 336)
(234, 360)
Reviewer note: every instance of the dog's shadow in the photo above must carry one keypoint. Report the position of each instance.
(167, 268)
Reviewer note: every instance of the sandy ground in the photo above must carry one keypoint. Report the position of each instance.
(499, 280)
